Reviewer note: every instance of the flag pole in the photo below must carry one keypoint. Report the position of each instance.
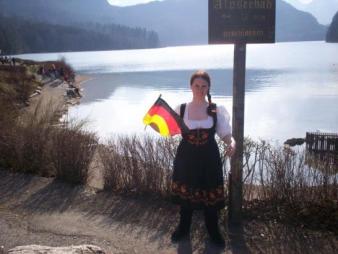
(159, 97)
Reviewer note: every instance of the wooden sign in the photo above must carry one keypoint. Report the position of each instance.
(242, 21)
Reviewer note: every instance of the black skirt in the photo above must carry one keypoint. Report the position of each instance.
(197, 181)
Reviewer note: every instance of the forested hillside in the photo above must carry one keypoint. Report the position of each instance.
(332, 33)
(21, 36)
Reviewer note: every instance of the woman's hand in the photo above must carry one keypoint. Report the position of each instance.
(231, 145)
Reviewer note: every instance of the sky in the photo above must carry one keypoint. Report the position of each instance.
(128, 2)
(302, 1)
(133, 2)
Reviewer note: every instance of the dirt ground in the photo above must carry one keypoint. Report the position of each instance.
(37, 210)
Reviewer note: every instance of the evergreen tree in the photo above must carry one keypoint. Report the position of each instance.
(25, 36)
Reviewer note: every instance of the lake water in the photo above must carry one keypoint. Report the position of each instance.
(291, 88)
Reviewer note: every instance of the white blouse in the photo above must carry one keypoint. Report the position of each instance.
(223, 127)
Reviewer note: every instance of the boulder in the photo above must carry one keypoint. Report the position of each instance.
(38, 249)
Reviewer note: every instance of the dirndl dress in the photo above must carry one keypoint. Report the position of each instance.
(197, 181)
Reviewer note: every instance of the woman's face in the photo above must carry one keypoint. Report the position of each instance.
(199, 88)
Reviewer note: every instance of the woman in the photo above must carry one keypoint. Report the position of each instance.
(198, 176)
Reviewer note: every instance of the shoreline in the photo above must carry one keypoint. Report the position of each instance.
(56, 93)
(46, 85)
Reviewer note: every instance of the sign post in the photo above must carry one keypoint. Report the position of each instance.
(240, 22)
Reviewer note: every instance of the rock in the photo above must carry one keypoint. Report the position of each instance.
(37, 249)
(73, 92)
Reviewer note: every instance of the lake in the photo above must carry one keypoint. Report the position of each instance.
(291, 88)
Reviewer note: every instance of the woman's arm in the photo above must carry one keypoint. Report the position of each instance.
(223, 130)
(231, 145)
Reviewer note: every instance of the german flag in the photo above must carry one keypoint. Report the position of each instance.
(163, 119)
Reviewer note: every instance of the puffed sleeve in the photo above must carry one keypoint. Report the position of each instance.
(223, 127)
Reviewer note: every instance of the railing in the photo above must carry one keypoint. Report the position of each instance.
(319, 142)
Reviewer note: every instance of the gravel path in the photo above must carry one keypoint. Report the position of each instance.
(37, 210)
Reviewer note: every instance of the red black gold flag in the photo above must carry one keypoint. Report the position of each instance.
(163, 119)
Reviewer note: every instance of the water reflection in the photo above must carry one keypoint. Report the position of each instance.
(102, 86)
(279, 104)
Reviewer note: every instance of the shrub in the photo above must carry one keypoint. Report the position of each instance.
(137, 164)
(72, 150)
(35, 144)
(284, 183)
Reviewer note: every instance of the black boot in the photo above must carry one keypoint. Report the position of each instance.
(211, 222)
(183, 229)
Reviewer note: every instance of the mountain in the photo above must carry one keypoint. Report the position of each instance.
(177, 22)
(59, 11)
(323, 10)
(332, 32)
(295, 25)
